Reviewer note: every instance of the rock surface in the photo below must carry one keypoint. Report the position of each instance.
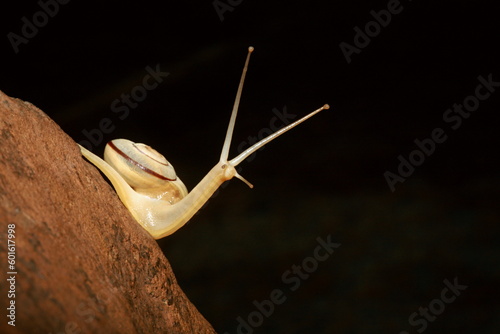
(82, 264)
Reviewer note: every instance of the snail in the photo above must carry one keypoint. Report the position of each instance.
(147, 183)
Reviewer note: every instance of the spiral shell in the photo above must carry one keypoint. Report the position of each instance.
(145, 170)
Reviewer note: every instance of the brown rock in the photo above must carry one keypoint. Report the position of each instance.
(83, 265)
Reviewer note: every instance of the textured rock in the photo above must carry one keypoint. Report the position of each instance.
(83, 264)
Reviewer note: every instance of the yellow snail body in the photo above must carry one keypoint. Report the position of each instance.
(148, 186)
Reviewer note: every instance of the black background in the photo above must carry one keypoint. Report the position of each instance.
(325, 177)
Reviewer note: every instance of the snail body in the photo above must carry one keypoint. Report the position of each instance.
(149, 187)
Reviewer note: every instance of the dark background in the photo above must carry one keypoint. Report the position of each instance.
(324, 178)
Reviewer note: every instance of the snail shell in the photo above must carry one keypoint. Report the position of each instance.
(145, 170)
